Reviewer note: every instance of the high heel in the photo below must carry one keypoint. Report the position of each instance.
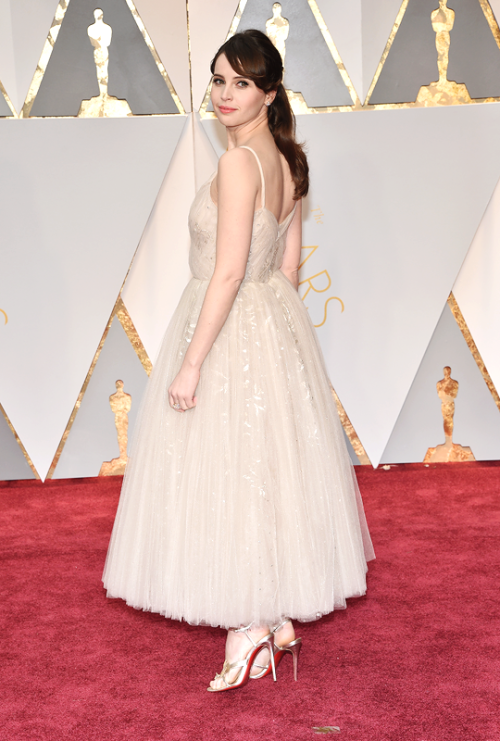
(246, 663)
(293, 647)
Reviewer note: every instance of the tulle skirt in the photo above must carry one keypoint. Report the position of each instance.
(245, 508)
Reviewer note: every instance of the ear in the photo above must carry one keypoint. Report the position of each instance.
(270, 96)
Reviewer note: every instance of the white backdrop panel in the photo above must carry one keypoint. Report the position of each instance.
(477, 288)
(395, 233)
(7, 65)
(76, 196)
(205, 157)
(395, 230)
(378, 20)
(209, 23)
(495, 6)
(160, 270)
(344, 23)
(166, 23)
(31, 22)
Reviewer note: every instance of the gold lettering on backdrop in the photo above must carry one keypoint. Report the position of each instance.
(311, 253)
(332, 298)
(103, 105)
(318, 215)
(317, 287)
(444, 91)
(120, 404)
(5, 316)
(313, 288)
(447, 389)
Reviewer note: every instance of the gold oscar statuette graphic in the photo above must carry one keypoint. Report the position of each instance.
(447, 389)
(444, 91)
(103, 105)
(6, 318)
(120, 404)
(277, 30)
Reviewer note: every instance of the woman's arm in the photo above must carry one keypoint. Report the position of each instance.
(291, 258)
(238, 184)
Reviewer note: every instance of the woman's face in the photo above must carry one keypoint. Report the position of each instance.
(236, 99)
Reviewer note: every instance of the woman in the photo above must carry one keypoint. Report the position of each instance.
(239, 507)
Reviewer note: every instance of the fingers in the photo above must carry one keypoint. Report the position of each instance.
(181, 404)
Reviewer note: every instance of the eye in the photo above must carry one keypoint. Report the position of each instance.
(243, 83)
(217, 81)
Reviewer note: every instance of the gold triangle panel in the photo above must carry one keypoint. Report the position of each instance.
(18, 440)
(439, 52)
(83, 53)
(6, 108)
(123, 316)
(455, 309)
(286, 23)
(98, 441)
(351, 432)
(449, 414)
(387, 49)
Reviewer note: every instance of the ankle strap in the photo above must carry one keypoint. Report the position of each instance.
(245, 631)
(280, 625)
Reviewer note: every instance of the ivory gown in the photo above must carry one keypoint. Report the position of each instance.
(245, 507)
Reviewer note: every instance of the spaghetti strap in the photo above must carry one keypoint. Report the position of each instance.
(243, 146)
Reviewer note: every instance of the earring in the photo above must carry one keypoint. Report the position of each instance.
(268, 104)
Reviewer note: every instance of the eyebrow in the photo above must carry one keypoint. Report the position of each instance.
(238, 77)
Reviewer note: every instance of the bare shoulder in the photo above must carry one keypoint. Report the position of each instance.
(238, 172)
(236, 159)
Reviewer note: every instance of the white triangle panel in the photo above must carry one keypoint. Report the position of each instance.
(343, 21)
(393, 234)
(206, 158)
(76, 197)
(209, 23)
(166, 23)
(217, 135)
(495, 6)
(7, 63)
(378, 22)
(160, 270)
(31, 22)
(477, 288)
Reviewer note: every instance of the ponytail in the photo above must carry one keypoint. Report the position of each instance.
(282, 126)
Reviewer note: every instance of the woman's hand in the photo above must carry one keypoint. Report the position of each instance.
(181, 392)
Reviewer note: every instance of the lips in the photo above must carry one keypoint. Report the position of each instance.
(225, 109)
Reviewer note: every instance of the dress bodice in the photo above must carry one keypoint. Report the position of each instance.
(268, 237)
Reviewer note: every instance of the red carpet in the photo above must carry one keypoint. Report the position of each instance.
(415, 660)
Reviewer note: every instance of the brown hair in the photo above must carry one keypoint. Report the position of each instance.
(251, 54)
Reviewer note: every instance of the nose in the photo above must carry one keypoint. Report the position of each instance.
(225, 93)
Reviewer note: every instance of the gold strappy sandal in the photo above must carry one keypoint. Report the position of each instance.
(245, 665)
(293, 647)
